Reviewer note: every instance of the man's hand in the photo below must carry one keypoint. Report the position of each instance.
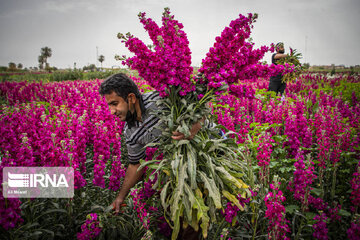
(132, 177)
(117, 204)
(193, 131)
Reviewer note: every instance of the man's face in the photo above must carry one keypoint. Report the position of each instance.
(281, 49)
(117, 105)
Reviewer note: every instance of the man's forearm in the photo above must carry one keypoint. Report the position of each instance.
(132, 177)
(280, 55)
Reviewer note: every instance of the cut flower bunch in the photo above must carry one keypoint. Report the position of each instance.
(293, 59)
(197, 176)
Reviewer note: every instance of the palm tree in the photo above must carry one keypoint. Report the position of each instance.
(101, 59)
(46, 53)
(41, 60)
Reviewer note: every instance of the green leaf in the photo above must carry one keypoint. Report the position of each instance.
(195, 203)
(179, 190)
(153, 144)
(210, 185)
(186, 130)
(344, 213)
(316, 191)
(144, 163)
(223, 87)
(29, 226)
(182, 142)
(187, 208)
(163, 195)
(36, 233)
(47, 231)
(51, 211)
(202, 215)
(190, 107)
(176, 228)
(237, 182)
(192, 167)
(161, 165)
(183, 101)
(232, 199)
(291, 208)
(175, 163)
(170, 119)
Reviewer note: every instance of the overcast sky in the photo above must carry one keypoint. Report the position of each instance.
(325, 31)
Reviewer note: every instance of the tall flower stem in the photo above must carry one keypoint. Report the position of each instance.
(333, 186)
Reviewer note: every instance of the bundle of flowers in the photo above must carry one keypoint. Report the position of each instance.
(232, 58)
(199, 174)
(292, 60)
(169, 63)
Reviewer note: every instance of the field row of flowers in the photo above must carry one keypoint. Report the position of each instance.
(310, 139)
(303, 150)
(59, 124)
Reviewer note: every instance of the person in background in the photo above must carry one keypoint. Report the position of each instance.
(276, 84)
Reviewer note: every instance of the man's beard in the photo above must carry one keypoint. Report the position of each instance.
(131, 118)
(281, 51)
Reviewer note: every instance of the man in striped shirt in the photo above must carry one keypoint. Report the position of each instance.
(126, 102)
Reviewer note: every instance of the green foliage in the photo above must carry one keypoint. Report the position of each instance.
(344, 89)
(12, 66)
(101, 59)
(293, 60)
(90, 67)
(332, 71)
(58, 218)
(306, 66)
(27, 77)
(201, 174)
(66, 75)
(265, 96)
(98, 75)
(61, 75)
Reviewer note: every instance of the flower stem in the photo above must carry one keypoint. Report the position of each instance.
(333, 182)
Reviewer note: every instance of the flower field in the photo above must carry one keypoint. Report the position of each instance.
(301, 154)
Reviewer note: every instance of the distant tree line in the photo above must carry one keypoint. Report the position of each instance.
(46, 53)
(12, 67)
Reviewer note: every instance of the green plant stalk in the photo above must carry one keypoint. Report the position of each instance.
(256, 223)
(70, 211)
(333, 182)
(321, 176)
(299, 230)
(218, 229)
(250, 171)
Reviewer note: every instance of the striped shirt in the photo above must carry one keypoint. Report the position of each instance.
(143, 132)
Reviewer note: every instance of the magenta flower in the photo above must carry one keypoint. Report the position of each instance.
(170, 62)
(275, 212)
(302, 180)
(90, 229)
(353, 232)
(320, 228)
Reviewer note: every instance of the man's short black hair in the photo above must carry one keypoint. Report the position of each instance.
(121, 84)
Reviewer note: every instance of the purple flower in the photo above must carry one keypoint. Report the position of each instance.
(320, 228)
